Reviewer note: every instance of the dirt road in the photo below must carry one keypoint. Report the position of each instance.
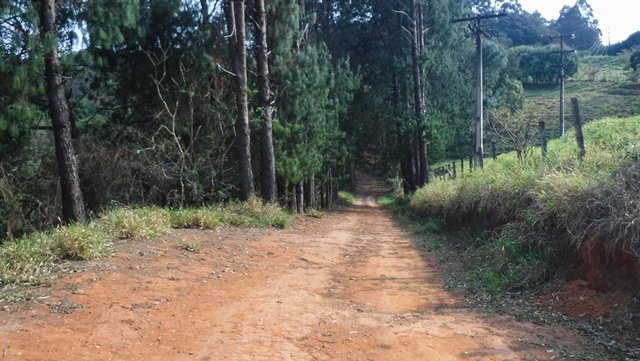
(348, 286)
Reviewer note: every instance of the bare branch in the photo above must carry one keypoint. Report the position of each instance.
(221, 68)
(405, 14)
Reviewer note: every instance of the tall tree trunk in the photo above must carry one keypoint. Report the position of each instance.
(321, 192)
(234, 11)
(293, 202)
(72, 200)
(407, 178)
(310, 193)
(331, 196)
(268, 160)
(418, 92)
(300, 199)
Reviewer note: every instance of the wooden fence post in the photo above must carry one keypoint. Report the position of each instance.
(455, 173)
(494, 152)
(462, 166)
(543, 139)
(577, 120)
(470, 164)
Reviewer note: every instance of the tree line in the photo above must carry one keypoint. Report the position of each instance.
(184, 102)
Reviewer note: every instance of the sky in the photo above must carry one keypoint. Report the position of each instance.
(617, 18)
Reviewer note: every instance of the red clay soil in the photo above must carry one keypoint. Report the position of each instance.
(348, 286)
(602, 283)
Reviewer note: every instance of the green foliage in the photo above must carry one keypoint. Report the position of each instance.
(386, 201)
(539, 65)
(346, 197)
(578, 25)
(21, 84)
(506, 263)
(313, 95)
(521, 27)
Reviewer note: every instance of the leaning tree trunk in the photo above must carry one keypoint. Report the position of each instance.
(234, 11)
(267, 161)
(72, 200)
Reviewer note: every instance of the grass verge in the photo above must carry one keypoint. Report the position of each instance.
(535, 213)
(33, 258)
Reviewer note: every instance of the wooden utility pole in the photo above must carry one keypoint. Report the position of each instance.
(562, 66)
(477, 28)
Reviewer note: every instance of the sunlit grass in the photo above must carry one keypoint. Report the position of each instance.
(33, 258)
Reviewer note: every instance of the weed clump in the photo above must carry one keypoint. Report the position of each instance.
(141, 223)
(79, 242)
(254, 213)
(203, 218)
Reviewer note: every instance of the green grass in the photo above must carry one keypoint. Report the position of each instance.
(346, 197)
(539, 211)
(386, 201)
(33, 258)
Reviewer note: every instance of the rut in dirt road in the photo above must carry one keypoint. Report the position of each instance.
(348, 286)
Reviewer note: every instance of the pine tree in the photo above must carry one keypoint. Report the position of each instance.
(313, 94)
(234, 10)
(72, 200)
(268, 164)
